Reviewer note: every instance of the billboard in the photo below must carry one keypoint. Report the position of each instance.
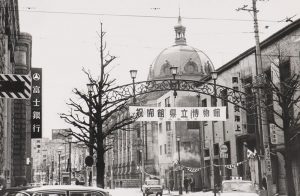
(36, 103)
(178, 113)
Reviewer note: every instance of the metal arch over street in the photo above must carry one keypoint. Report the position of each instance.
(131, 90)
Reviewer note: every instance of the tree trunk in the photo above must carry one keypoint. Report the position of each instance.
(288, 161)
(100, 165)
(289, 171)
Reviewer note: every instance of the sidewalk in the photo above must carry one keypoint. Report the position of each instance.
(176, 193)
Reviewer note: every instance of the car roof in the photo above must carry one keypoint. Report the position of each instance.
(65, 187)
(236, 181)
(16, 188)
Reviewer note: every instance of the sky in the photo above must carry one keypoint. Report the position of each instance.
(65, 38)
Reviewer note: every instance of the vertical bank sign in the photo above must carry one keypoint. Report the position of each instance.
(36, 103)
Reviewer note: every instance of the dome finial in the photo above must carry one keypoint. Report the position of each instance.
(179, 18)
(180, 32)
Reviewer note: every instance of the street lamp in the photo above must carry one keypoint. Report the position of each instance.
(180, 180)
(173, 70)
(59, 152)
(214, 76)
(133, 74)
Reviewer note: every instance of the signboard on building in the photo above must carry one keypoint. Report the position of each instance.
(36, 103)
(169, 143)
(268, 160)
(15, 86)
(276, 134)
(179, 113)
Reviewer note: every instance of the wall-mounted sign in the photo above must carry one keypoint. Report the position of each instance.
(36, 103)
(15, 86)
(178, 113)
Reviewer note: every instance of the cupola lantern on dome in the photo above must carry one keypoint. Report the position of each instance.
(180, 33)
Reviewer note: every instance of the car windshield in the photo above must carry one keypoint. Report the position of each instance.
(152, 182)
(238, 186)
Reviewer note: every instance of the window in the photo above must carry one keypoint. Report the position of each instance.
(160, 127)
(168, 125)
(159, 104)
(193, 125)
(38, 146)
(160, 149)
(204, 104)
(235, 80)
(224, 101)
(167, 102)
(206, 152)
(216, 149)
(165, 148)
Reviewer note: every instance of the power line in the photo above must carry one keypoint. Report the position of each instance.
(140, 16)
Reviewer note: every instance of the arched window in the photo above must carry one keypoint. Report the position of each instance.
(190, 67)
(165, 68)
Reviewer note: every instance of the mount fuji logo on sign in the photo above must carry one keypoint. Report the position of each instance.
(15, 86)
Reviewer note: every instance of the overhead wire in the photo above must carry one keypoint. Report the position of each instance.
(141, 16)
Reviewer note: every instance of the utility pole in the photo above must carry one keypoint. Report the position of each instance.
(262, 134)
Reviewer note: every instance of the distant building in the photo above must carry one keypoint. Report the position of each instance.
(49, 156)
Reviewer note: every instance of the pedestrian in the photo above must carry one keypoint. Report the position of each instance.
(171, 184)
(192, 183)
(186, 184)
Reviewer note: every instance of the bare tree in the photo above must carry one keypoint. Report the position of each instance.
(97, 116)
(281, 102)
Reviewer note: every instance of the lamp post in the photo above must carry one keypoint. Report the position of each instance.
(70, 163)
(133, 74)
(59, 152)
(214, 76)
(91, 136)
(180, 180)
(173, 70)
(112, 172)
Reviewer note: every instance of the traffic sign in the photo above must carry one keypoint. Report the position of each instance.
(89, 161)
(223, 148)
(15, 86)
(223, 155)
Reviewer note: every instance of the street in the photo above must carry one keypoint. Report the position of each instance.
(137, 192)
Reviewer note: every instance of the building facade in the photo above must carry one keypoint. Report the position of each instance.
(15, 58)
(53, 158)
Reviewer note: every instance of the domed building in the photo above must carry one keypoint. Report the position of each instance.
(160, 138)
(152, 148)
(191, 62)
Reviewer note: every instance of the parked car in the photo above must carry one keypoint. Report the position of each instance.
(152, 186)
(12, 191)
(238, 187)
(64, 190)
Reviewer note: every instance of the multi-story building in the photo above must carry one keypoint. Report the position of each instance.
(51, 159)
(151, 149)
(200, 142)
(15, 58)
